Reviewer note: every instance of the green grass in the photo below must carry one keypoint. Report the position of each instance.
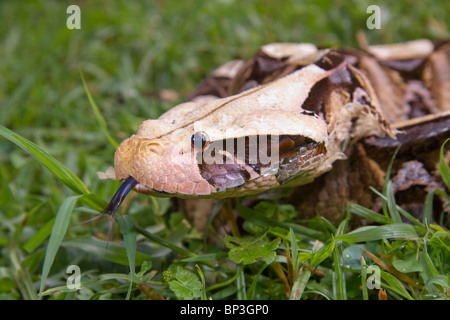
(54, 141)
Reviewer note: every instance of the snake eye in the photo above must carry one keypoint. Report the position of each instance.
(199, 140)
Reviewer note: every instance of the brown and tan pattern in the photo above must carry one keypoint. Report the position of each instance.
(332, 116)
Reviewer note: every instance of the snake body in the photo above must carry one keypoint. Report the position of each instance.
(284, 117)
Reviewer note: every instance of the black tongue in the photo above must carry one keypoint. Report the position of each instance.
(119, 196)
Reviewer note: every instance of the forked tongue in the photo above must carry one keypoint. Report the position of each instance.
(119, 196)
(116, 200)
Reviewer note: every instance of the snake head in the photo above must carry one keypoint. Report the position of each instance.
(284, 133)
(243, 144)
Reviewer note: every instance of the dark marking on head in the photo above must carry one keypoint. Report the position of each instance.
(222, 167)
(408, 68)
(224, 176)
(341, 81)
(308, 113)
(300, 157)
(331, 60)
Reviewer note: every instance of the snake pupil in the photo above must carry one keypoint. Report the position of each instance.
(199, 140)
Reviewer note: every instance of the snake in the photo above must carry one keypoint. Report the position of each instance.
(288, 117)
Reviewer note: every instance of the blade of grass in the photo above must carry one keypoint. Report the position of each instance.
(387, 180)
(129, 237)
(171, 246)
(101, 121)
(206, 257)
(202, 278)
(364, 279)
(22, 276)
(300, 284)
(440, 280)
(404, 213)
(342, 226)
(403, 277)
(214, 211)
(428, 267)
(241, 293)
(322, 254)
(165, 243)
(372, 233)
(14, 98)
(227, 282)
(294, 250)
(252, 289)
(58, 231)
(280, 272)
(65, 175)
(265, 222)
(368, 214)
(224, 293)
(410, 217)
(396, 285)
(392, 206)
(39, 236)
(93, 281)
(444, 169)
(428, 208)
(115, 252)
(28, 215)
(94, 201)
(339, 286)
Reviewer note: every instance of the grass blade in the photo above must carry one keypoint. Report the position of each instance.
(167, 244)
(101, 121)
(365, 292)
(65, 175)
(206, 257)
(265, 222)
(93, 201)
(241, 293)
(387, 181)
(322, 254)
(39, 236)
(339, 286)
(300, 284)
(392, 206)
(22, 276)
(398, 209)
(252, 289)
(444, 169)
(96, 247)
(294, 249)
(58, 231)
(202, 278)
(368, 214)
(395, 285)
(428, 267)
(428, 208)
(129, 237)
(371, 233)
(440, 280)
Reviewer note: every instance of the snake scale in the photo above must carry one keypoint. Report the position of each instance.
(325, 121)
